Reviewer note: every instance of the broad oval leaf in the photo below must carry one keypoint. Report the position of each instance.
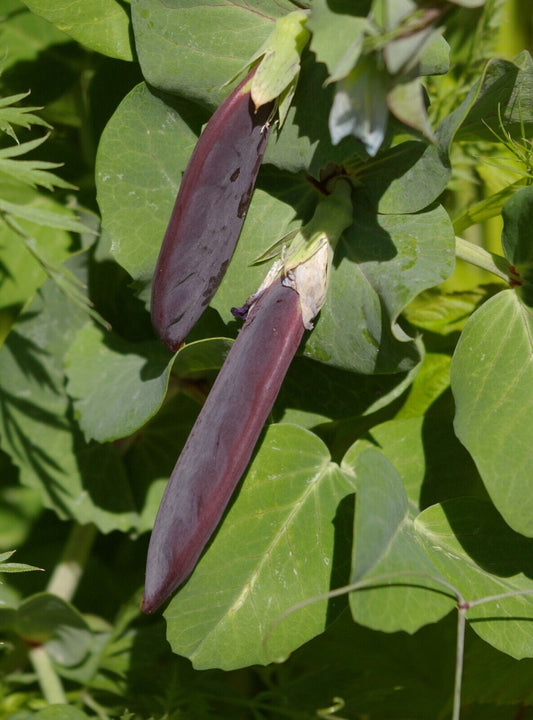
(142, 154)
(385, 544)
(481, 556)
(382, 262)
(492, 383)
(116, 385)
(193, 49)
(26, 36)
(49, 620)
(101, 25)
(273, 550)
(337, 33)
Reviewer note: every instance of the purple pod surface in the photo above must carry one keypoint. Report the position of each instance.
(222, 440)
(208, 214)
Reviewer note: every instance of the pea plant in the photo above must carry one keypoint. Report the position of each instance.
(266, 359)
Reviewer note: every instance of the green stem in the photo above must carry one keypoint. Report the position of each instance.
(459, 659)
(63, 583)
(68, 571)
(48, 678)
(478, 256)
(94, 706)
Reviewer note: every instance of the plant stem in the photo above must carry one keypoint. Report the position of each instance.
(63, 583)
(48, 679)
(68, 571)
(478, 256)
(93, 705)
(459, 658)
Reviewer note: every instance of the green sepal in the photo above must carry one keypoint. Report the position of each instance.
(276, 76)
(333, 215)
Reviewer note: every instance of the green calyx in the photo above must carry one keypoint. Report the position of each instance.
(278, 69)
(333, 215)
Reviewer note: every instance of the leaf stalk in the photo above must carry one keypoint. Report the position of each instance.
(491, 262)
(48, 678)
(67, 573)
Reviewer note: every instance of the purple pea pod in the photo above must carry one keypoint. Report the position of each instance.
(208, 214)
(222, 440)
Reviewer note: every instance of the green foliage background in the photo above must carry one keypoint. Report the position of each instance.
(408, 466)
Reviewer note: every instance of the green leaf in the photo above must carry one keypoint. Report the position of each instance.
(382, 262)
(49, 620)
(432, 380)
(116, 386)
(60, 220)
(20, 116)
(492, 383)
(192, 49)
(504, 92)
(409, 176)
(201, 359)
(485, 209)
(493, 677)
(30, 172)
(402, 54)
(337, 33)
(431, 462)
(35, 426)
(385, 543)
(101, 25)
(6, 555)
(19, 508)
(142, 154)
(21, 274)
(26, 36)
(419, 462)
(481, 556)
(337, 394)
(435, 59)
(17, 568)
(517, 216)
(259, 563)
(406, 102)
(446, 313)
